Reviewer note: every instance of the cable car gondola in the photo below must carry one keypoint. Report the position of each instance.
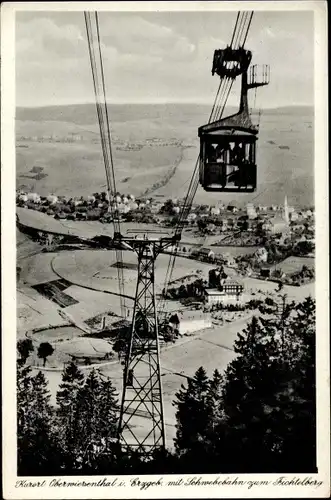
(228, 145)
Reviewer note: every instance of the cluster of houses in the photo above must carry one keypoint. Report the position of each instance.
(272, 220)
(99, 206)
(262, 220)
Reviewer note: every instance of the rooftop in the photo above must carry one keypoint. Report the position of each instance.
(214, 292)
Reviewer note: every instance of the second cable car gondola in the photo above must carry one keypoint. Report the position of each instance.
(228, 145)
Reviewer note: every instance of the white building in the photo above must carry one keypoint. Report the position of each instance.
(275, 225)
(52, 199)
(193, 325)
(294, 216)
(251, 212)
(156, 207)
(261, 254)
(215, 211)
(33, 197)
(191, 217)
(231, 293)
(133, 205)
(189, 323)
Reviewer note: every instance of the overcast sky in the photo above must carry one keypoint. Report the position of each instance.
(158, 56)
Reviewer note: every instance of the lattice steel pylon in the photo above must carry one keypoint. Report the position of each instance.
(141, 424)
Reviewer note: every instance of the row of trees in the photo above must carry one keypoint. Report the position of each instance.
(77, 435)
(194, 289)
(260, 415)
(257, 416)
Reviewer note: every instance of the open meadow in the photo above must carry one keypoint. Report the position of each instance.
(155, 150)
(96, 269)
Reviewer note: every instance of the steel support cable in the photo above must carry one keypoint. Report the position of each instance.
(235, 29)
(244, 29)
(99, 112)
(243, 32)
(102, 104)
(106, 159)
(236, 35)
(102, 118)
(220, 101)
(98, 105)
(228, 82)
(117, 229)
(248, 27)
(239, 30)
(183, 216)
(217, 100)
(236, 42)
(95, 84)
(112, 172)
(185, 211)
(226, 98)
(194, 182)
(223, 92)
(236, 38)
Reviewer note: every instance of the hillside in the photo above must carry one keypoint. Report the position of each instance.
(155, 149)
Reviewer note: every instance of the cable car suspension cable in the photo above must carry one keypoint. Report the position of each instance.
(218, 104)
(239, 36)
(105, 136)
(238, 40)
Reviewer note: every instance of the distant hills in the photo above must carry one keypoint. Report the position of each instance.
(45, 135)
(83, 114)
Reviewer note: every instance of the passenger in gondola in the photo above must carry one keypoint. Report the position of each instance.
(221, 161)
(238, 153)
(241, 152)
(211, 153)
(220, 153)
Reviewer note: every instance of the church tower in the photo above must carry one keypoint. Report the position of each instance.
(286, 211)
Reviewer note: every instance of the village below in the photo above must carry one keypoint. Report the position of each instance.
(235, 261)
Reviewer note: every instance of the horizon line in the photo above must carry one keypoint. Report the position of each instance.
(137, 103)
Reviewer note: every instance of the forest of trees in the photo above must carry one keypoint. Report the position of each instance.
(258, 416)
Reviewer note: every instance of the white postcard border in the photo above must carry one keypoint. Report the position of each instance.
(9, 277)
